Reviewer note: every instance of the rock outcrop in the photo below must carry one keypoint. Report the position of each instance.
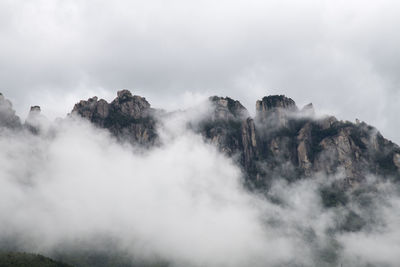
(282, 141)
(128, 117)
(8, 118)
(35, 120)
(275, 111)
(232, 129)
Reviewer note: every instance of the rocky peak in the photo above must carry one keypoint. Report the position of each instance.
(91, 109)
(127, 116)
(36, 122)
(274, 102)
(308, 110)
(227, 108)
(281, 144)
(35, 109)
(7, 114)
(274, 111)
(34, 114)
(133, 106)
(287, 142)
(124, 94)
(232, 130)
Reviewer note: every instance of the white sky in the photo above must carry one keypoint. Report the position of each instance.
(341, 55)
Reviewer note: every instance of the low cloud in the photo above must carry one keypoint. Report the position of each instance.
(182, 202)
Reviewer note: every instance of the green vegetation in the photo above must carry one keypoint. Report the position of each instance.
(106, 259)
(20, 259)
(77, 258)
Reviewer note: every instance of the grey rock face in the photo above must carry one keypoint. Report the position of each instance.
(227, 109)
(292, 143)
(273, 102)
(33, 121)
(275, 111)
(36, 122)
(231, 129)
(396, 160)
(8, 118)
(35, 109)
(304, 141)
(130, 106)
(282, 141)
(128, 117)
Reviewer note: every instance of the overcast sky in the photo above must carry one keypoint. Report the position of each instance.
(341, 55)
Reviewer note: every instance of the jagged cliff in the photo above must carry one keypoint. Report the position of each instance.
(127, 117)
(282, 140)
(7, 114)
(321, 145)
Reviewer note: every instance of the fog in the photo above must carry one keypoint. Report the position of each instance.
(74, 187)
(182, 202)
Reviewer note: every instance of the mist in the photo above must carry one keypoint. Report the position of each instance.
(183, 202)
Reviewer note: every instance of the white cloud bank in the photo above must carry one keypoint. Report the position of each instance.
(182, 202)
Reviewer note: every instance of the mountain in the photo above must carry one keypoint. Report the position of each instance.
(281, 140)
(127, 117)
(284, 153)
(7, 114)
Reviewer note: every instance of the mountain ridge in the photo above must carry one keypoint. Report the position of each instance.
(290, 159)
(281, 140)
